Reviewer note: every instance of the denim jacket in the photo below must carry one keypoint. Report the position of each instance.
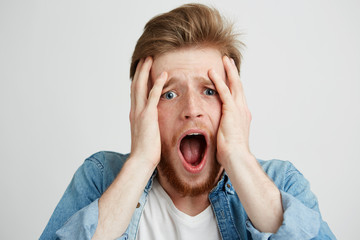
(76, 215)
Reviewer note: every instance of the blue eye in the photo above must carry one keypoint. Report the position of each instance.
(209, 92)
(169, 95)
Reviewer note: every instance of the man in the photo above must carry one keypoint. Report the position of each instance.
(190, 173)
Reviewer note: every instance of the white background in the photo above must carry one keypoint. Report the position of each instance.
(64, 95)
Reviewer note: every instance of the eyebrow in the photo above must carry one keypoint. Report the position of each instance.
(205, 81)
(170, 82)
(202, 80)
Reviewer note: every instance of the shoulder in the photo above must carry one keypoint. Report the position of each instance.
(107, 161)
(276, 166)
(281, 172)
(102, 167)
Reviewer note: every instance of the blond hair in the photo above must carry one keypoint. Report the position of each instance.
(190, 25)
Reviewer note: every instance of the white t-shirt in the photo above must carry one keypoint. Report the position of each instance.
(161, 220)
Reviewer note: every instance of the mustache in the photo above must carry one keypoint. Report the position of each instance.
(191, 125)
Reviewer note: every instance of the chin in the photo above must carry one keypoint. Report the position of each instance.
(189, 183)
(188, 164)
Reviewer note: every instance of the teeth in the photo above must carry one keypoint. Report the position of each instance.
(194, 134)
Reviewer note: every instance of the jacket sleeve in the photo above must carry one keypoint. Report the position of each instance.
(82, 225)
(81, 194)
(302, 218)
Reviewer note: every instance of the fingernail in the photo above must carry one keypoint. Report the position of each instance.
(227, 59)
(232, 61)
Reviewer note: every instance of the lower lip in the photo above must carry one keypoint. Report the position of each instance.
(193, 169)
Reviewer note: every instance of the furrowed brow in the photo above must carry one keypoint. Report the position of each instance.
(205, 81)
(202, 80)
(170, 82)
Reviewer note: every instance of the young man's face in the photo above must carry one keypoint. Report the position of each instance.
(189, 115)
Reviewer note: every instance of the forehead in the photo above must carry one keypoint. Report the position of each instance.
(188, 62)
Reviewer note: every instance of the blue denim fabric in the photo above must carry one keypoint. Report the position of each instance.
(76, 215)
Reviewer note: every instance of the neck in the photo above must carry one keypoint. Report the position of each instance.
(191, 205)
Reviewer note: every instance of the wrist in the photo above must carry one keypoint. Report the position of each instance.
(146, 165)
(235, 158)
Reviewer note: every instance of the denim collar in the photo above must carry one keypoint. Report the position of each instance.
(224, 184)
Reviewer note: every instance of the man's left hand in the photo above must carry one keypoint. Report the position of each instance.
(233, 132)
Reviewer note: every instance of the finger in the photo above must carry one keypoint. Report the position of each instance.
(155, 92)
(133, 83)
(236, 87)
(221, 87)
(141, 84)
(140, 63)
(233, 76)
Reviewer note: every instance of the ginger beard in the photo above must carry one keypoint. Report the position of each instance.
(188, 186)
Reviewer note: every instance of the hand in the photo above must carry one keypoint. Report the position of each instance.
(233, 132)
(258, 194)
(145, 133)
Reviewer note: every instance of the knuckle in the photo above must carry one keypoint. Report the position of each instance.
(144, 114)
(131, 116)
(146, 110)
(151, 92)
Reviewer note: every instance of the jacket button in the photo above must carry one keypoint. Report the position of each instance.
(138, 205)
(228, 185)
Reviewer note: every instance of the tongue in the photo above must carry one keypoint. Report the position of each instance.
(191, 149)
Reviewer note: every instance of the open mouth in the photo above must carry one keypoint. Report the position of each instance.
(193, 150)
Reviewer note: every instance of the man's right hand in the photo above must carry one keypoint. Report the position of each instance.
(118, 203)
(145, 133)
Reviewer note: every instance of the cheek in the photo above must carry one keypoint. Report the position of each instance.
(167, 126)
(162, 116)
(165, 118)
(215, 112)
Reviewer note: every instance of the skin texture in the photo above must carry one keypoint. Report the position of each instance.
(156, 125)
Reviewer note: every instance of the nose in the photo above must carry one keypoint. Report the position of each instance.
(192, 107)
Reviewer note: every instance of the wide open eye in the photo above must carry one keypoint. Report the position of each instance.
(169, 95)
(209, 92)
